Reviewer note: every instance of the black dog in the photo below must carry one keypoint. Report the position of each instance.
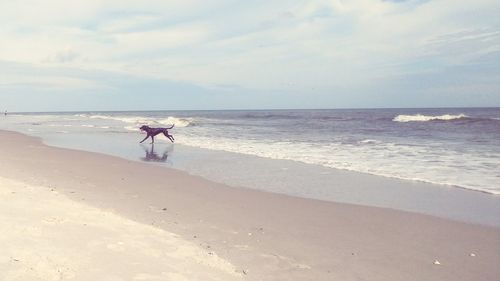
(152, 132)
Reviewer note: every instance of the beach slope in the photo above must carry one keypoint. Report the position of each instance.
(73, 215)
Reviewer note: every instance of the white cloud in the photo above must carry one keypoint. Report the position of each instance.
(65, 55)
(300, 46)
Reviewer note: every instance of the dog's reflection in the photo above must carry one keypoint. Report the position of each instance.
(153, 156)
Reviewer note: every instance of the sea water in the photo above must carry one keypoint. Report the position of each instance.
(296, 152)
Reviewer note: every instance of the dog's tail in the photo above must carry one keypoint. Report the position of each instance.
(171, 126)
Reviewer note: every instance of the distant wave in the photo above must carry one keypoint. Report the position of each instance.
(369, 141)
(293, 116)
(257, 115)
(138, 120)
(424, 118)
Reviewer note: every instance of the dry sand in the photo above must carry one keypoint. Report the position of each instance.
(46, 236)
(72, 215)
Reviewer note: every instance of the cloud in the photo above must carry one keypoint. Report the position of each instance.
(63, 56)
(327, 49)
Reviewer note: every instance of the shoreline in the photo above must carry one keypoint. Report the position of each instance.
(269, 236)
(303, 180)
(447, 159)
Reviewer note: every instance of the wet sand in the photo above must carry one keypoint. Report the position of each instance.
(231, 233)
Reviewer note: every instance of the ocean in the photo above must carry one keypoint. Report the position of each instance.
(300, 152)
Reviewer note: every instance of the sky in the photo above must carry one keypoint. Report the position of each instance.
(64, 55)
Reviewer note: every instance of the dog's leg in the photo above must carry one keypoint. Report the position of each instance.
(144, 139)
(168, 136)
(152, 139)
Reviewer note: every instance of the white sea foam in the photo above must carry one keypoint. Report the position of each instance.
(369, 141)
(141, 120)
(424, 118)
(378, 158)
(179, 122)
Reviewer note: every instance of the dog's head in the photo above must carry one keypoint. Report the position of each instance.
(144, 128)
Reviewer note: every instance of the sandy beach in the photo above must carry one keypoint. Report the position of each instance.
(74, 215)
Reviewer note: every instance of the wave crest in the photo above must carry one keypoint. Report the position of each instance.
(424, 118)
(140, 120)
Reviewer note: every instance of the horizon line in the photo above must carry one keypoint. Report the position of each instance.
(255, 109)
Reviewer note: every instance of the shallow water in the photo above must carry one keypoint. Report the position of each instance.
(456, 147)
(266, 150)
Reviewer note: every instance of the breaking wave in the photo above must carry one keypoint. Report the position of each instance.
(141, 120)
(424, 118)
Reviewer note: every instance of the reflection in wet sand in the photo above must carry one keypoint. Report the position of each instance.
(155, 156)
